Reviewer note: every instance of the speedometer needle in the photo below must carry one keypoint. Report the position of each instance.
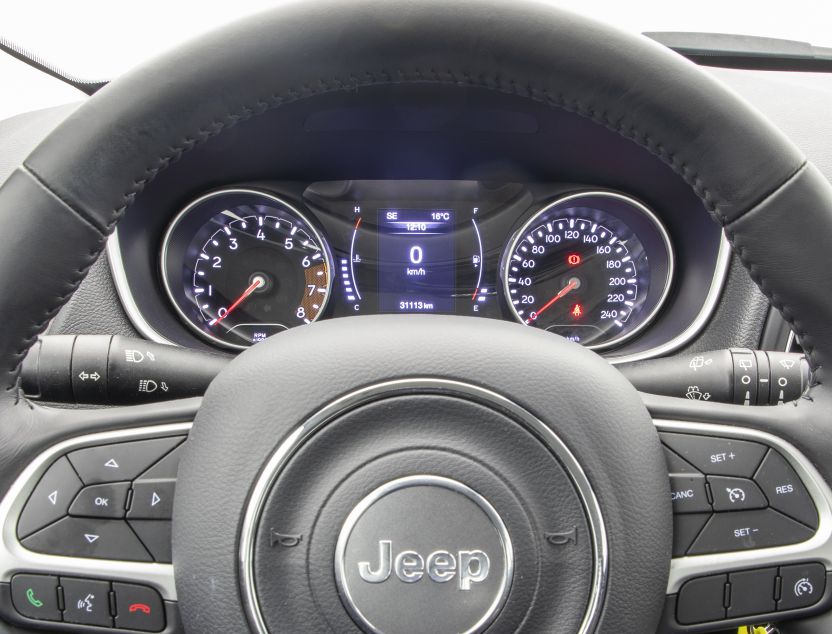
(257, 283)
(573, 284)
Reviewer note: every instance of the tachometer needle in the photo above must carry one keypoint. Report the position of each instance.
(257, 283)
(572, 285)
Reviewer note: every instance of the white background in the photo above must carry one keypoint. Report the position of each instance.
(101, 39)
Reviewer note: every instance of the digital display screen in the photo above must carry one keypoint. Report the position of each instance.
(417, 267)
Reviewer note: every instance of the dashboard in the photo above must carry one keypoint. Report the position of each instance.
(510, 158)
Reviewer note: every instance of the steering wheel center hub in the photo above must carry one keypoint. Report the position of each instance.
(424, 553)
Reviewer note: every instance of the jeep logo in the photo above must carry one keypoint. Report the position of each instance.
(468, 566)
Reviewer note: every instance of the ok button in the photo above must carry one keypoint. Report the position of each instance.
(101, 500)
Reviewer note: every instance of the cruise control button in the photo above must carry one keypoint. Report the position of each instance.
(87, 537)
(152, 500)
(50, 499)
(122, 461)
(36, 597)
(802, 585)
(784, 490)
(752, 592)
(138, 608)
(687, 493)
(156, 537)
(746, 530)
(87, 602)
(686, 528)
(717, 456)
(702, 600)
(736, 494)
(101, 500)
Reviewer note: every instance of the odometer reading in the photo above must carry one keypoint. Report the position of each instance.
(578, 271)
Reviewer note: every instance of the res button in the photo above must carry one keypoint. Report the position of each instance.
(784, 489)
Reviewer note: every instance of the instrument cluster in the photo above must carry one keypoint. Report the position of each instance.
(240, 264)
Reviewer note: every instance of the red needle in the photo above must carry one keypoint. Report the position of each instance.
(257, 283)
(573, 284)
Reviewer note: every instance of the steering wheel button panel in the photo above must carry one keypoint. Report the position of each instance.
(123, 461)
(747, 530)
(717, 456)
(784, 490)
(156, 537)
(688, 493)
(675, 464)
(735, 494)
(752, 592)
(36, 597)
(101, 500)
(88, 537)
(87, 602)
(702, 600)
(51, 498)
(686, 528)
(801, 586)
(166, 469)
(138, 608)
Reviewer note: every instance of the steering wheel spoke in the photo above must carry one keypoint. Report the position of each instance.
(86, 517)
(752, 513)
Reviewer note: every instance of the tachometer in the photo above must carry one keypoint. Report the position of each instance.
(593, 267)
(240, 265)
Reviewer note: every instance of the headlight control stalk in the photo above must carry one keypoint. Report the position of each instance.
(115, 370)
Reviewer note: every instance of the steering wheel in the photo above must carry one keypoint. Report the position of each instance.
(369, 473)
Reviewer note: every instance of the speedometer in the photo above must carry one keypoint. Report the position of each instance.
(593, 267)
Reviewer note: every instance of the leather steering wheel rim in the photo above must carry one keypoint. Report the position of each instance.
(72, 190)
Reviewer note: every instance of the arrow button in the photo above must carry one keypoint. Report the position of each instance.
(50, 499)
(152, 499)
(120, 461)
(89, 537)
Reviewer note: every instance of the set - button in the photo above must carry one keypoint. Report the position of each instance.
(731, 495)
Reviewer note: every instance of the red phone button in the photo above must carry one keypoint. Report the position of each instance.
(138, 608)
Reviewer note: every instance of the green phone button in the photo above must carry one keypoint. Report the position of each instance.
(36, 597)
